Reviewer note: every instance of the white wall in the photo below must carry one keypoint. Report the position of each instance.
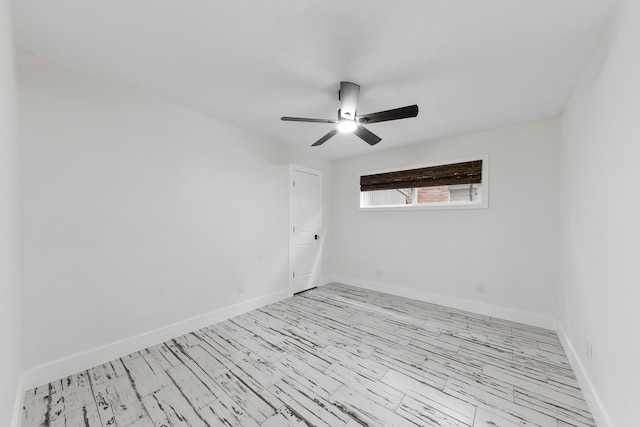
(10, 291)
(601, 231)
(138, 213)
(511, 247)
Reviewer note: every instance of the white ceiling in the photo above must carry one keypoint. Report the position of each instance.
(469, 65)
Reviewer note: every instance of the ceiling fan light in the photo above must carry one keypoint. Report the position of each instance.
(347, 125)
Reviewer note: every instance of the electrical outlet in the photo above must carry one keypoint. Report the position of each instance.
(589, 350)
(241, 288)
(480, 289)
(378, 273)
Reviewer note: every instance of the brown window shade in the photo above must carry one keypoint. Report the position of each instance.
(451, 174)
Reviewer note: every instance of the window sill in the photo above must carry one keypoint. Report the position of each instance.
(431, 207)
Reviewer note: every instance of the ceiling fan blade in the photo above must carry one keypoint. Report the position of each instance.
(348, 97)
(302, 119)
(367, 136)
(384, 116)
(324, 139)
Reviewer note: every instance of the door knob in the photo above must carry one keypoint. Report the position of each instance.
(316, 237)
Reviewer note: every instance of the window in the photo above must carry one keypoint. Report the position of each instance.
(457, 184)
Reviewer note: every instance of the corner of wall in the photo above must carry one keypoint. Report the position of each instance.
(592, 397)
(16, 418)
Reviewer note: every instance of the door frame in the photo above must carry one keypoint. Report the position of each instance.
(293, 167)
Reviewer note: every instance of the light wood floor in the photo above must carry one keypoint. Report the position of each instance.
(332, 356)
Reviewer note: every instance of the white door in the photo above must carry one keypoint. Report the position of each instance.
(305, 228)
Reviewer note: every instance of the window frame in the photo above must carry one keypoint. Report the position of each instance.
(483, 203)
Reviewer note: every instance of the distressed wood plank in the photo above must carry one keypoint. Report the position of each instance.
(376, 391)
(192, 388)
(430, 396)
(491, 417)
(477, 396)
(164, 356)
(264, 394)
(285, 418)
(226, 412)
(86, 416)
(262, 348)
(188, 340)
(218, 340)
(365, 411)
(70, 394)
(106, 371)
(265, 331)
(361, 364)
(312, 409)
(262, 372)
(133, 355)
(146, 374)
(229, 329)
(36, 407)
(558, 405)
(143, 422)
(118, 403)
(423, 414)
(309, 356)
(168, 406)
(243, 395)
(56, 400)
(205, 360)
(204, 378)
(317, 381)
(416, 370)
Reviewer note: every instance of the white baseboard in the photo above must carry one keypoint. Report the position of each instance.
(45, 374)
(596, 407)
(16, 417)
(533, 319)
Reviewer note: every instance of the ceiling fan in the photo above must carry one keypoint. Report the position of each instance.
(349, 121)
